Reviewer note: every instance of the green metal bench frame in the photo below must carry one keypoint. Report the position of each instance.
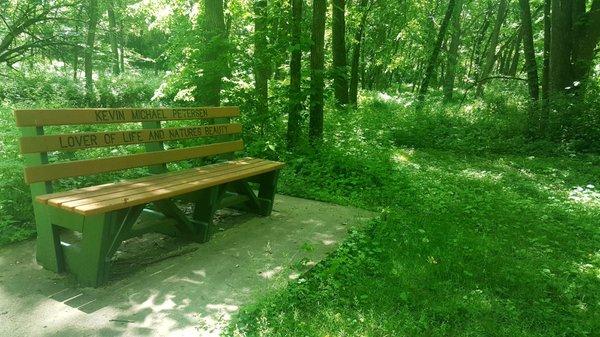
(101, 234)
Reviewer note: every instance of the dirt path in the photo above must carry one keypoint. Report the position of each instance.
(164, 287)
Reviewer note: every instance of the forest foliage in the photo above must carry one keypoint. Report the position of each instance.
(427, 111)
(277, 57)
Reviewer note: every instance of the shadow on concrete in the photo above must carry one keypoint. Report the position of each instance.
(163, 286)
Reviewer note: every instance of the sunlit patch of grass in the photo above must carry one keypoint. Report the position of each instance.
(466, 245)
(587, 195)
(481, 175)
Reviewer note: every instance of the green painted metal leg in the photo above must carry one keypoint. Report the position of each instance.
(48, 249)
(130, 216)
(253, 204)
(207, 203)
(92, 268)
(266, 191)
(189, 228)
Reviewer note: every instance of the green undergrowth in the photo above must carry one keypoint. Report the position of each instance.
(16, 212)
(480, 231)
(467, 243)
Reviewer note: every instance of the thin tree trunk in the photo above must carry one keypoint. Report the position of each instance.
(505, 56)
(514, 64)
(76, 55)
(317, 60)
(75, 64)
(112, 31)
(431, 64)
(508, 51)
(453, 52)
(546, 69)
(530, 63)
(338, 46)
(214, 55)
(474, 59)
(121, 47)
(356, 52)
(295, 94)
(89, 51)
(490, 57)
(262, 62)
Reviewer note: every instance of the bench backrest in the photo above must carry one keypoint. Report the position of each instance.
(35, 144)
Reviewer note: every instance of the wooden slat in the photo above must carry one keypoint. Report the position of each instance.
(107, 188)
(93, 166)
(43, 117)
(152, 186)
(76, 141)
(156, 180)
(173, 191)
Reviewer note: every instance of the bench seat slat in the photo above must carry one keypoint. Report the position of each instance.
(136, 186)
(78, 168)
(106, 187)
(170, 186)
(159, 185)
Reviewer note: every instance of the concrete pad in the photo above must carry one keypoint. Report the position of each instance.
(172, 288)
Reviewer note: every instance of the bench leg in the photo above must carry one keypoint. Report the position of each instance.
(188, 228)
(266, 191)
(92, 268)
(252, 204)
(206, 205)
(263, 203)
(48, 248)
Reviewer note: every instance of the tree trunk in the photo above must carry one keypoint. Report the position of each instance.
(587, 29)
(262, 62)
(112, 31)
(490, 57)
(76, 54)
(75, 64)
(474, 61)
(121, 47)
(530, 63)
(575, 36)
(453, 52)
(317, 60)
(89, 51)
(338, 46)
(214, 55)
(578, 9)
(546, 69)
(514, 64)
(356, 51)
(431, 64)
(530, 66)
(295, 94)
(561, 45)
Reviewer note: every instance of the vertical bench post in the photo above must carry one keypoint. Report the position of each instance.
(48, 247)
(267, 190)
(154, 146)
(92, 268)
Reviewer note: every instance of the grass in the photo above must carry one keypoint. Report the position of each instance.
(466, 244)
(480, 232)
(16, 212)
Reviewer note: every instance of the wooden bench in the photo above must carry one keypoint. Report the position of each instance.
(80, 230)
